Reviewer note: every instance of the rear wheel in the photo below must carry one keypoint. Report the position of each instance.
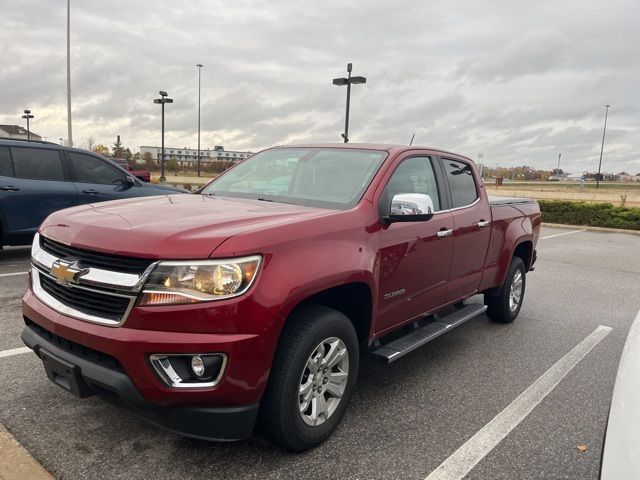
(505, 306)
(312, 378)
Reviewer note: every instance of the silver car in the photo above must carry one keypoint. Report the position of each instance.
(621, 453)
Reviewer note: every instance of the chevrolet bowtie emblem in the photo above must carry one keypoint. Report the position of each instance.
(66, 272)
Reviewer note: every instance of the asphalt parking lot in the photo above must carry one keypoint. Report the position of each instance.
(406, 418)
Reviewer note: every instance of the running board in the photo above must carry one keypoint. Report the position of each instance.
(401, 346)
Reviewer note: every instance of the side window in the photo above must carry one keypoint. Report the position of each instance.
(413, 175)
(461, 182)
(90, 169)
(37, 163)
(6, 167)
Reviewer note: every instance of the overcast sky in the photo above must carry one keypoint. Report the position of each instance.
(519, 81)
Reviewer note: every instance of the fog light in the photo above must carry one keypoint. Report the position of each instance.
(192, 370)
(197, 366)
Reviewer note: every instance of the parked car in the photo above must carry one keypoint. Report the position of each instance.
(256, 298)
(38, 178)
(622, 441)
(144, 175)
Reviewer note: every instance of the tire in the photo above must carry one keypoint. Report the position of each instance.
(504, 307)
(281, 417)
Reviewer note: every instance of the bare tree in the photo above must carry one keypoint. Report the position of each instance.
(90, 143)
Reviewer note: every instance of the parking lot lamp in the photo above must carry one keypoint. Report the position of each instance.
(162, 100)
(199, 71)
(604, 131)
(348, 82)
(27, 115)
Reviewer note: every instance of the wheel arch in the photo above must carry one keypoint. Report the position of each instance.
(354, 300)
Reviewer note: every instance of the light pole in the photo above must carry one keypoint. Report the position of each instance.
(199, 71)
(348, 82)
(162, 100)
(69, 134)
(27, 115)
(604, 131)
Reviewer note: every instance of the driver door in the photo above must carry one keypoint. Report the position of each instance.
(414, 257)
(97, 180)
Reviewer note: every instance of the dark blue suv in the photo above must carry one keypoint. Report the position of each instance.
(37, 178)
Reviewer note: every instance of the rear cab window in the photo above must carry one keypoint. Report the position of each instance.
(462, 185)
(37, 164)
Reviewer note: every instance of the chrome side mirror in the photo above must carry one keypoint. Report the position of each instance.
(410, 207)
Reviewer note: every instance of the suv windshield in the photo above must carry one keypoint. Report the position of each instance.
(322, 177)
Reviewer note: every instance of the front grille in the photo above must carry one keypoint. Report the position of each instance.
(89, 302)
(76, 349)
(88, 258)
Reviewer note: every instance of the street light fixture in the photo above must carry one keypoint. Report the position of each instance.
(27, 115)
(162, 100)
(348, 82)
(604, 131)
(199, 70)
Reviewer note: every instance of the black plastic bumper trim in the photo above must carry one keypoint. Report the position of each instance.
(205, 423)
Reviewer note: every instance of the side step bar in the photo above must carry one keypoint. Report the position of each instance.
(401, 346)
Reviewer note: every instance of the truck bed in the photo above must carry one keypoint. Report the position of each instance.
(509, 200)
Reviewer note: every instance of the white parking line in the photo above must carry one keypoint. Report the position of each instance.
(565, 233)
(12, 274)
(14, 351)
(479, 445)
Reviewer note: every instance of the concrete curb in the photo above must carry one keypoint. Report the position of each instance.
(16, 463)
(588, 227)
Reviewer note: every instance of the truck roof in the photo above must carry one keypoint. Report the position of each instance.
(386, 147)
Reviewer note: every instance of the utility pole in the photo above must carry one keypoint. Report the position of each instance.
(348, 82)
(69, 132)
(199, 70)
(558, 172)
(604, 131)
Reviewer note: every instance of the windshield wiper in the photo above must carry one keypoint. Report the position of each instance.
(263, 199)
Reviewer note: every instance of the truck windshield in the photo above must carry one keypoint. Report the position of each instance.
(320, 177)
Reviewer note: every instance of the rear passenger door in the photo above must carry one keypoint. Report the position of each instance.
(97, 180)
(34, 182)
(472, 229)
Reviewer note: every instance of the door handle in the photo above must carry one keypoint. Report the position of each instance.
(10, 188)
(444, 233)
(91, 191)
(484, 223)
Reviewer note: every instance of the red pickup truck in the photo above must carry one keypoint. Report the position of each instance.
(144, 175)
(250, 303)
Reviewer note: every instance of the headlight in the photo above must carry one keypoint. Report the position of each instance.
(199, 281)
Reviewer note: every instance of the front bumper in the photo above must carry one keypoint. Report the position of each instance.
(104, 375)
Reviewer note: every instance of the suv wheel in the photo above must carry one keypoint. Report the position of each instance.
(312, 378)
(504, 307)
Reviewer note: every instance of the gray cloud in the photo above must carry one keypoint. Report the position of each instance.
(518, 81)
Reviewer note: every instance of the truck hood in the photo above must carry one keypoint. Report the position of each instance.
(169, 227)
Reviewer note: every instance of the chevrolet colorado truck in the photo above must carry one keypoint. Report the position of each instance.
(249, 305)
(144, 175)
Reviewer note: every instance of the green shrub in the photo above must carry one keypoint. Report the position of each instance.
(596, 215)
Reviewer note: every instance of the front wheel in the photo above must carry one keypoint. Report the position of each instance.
(505, 306)
(312, 378)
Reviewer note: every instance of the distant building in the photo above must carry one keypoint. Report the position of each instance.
(189, 156)
(628, 178)
(577, 177)
(16, 131)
